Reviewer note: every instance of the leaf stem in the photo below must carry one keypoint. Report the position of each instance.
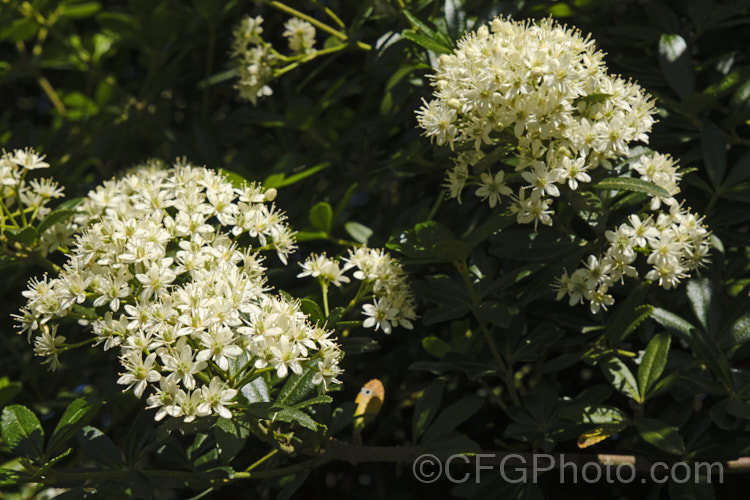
(475, 300)
(436, 205)
(52, 94)
(262, 459)
(322, 26)
(324, 289)
(336, 19)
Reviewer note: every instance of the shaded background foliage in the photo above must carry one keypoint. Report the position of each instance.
(111, 84)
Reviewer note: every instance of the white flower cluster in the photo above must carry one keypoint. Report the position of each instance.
(168, 269)
(255, 59)
(25, 203)
(675, 243)
(383, 281)
(300, 35)
(541, 92)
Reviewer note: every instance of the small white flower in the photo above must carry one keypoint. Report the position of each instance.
(215, 399)
(380, 314)
(28, 159)
(492, 187)
(139, 372)
(300, 35)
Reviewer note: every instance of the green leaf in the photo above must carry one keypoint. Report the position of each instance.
(600, 433)
(714, 153)
(702, 300)
(425, 42)
(53, 461)
(493, 312)
(715, 359)
(26, 235)
(291, 483)
(9, 477)
(140, 437)
(69, 204)
(296, 387)
(722, 417)
(53, 218)
(291, 415)
(317, 400)
(428, 32)
(442, 290)
(704, 347)
(627, 316)
(673, 322)
(664, 384)
(256, 391)
(231, 436)
(697, 488)
(283, 181)
(79, 105)
(661, 435)
(737, 407)
(739, 331)
(99, 447)
(653, 362)
(22, 431)
(531, 346)
(359, 232)
(661, 17)
(431, 233)
(453, 416)
(19, 30)
(78, 413)
(208, 9)
(426, 408)
(592, 98)
(408, 244)
(529, 245)
(632, 184)
(740, 171)
(492, 225)
(741, 98)
(358, 345)
(436, 347)
(620, 377)
(593, 414)
(640, 314)
(8, 390)
(321, 217)
(312, 310)
(273, 181)
(235, 179)
(452, 444)
(490, 159)
(443, 314)
(334, 317)
(675, 63)
(310, 236)
(81, 10)
(344, 201)
(419, 242)
(451, 250)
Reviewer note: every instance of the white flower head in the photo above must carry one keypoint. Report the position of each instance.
(300, 35)
(159, 267)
